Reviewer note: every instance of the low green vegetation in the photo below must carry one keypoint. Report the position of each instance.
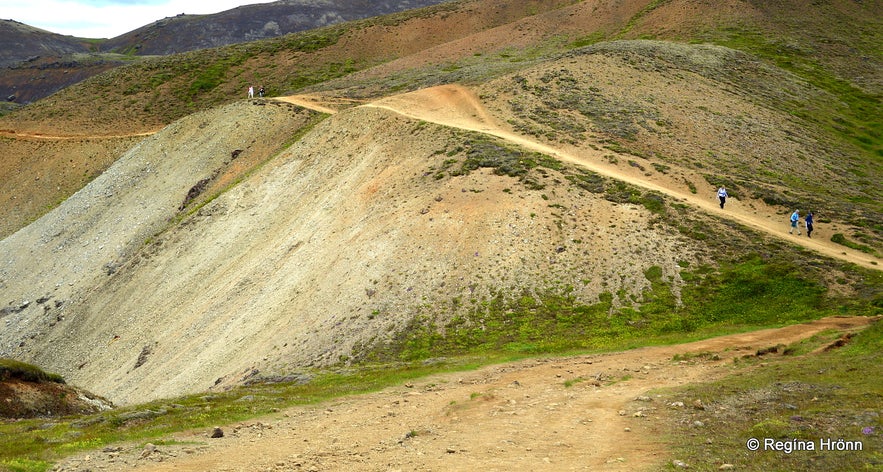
(788, 403)
(739, 296)
(507, 325)
(839, 238)
(10, 368)
(33, 445)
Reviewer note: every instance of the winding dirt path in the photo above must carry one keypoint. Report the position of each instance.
(51, 137)
(458, 107)
(592, 412)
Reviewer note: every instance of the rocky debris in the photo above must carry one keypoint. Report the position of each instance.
(14, 308)
(194, 192)
(217, 432)
(142, 358)
(149, 449)
(840, 342)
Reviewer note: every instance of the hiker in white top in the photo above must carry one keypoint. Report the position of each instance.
(250, 91)
(722, 195)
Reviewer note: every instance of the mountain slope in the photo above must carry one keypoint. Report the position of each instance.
(162, 90)
(37, 63)
(370, 223)
(25, 43)
(247, 23)
(377, 230)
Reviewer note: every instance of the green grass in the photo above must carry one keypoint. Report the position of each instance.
(533, 320)
(839, 238)
(10, 368)
(739, 296)
(855, 117)
(36, 444)
(829, 396)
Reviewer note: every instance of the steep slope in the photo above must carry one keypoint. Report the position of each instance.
(146, 96)
(370, 223)
(338, 243)
(377, 224)
(58, 259)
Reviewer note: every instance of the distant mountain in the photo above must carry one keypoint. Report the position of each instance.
(35, 63)
(249, 23)
(23, 44)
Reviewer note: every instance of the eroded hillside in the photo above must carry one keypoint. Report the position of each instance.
(332, 248)
(582, 182)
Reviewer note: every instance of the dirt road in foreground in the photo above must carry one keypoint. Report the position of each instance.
(592, 412)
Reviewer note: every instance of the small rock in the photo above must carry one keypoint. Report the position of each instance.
(643, 398)
(726, 467)
(698, 424)
(628, 430)
(680, 464)
(217, 433)
(149, 449)
(451, 450)
(698, 405)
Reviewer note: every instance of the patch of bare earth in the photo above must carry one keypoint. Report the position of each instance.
(591, 412)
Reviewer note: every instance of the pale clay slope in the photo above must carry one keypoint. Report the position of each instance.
(339, 241)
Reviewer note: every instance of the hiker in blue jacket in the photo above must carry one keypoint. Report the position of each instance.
(795, 217)
(809, 222)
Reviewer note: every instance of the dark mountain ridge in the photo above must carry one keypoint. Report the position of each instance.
(35, 63)
(184, 32)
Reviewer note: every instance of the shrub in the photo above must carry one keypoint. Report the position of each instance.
(29, 373)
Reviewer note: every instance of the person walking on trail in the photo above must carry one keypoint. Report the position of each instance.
(722, 195)
(250, 91)
(809, 221)
(795, 217)
(261, 91)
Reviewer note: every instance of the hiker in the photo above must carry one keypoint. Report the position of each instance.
(250, 91)
(261, 91)
(809, 221)
(795, 217)
(722, 195)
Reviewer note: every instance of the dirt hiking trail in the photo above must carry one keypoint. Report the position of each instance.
(51, 137)
(591, 412)
(458, 107)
